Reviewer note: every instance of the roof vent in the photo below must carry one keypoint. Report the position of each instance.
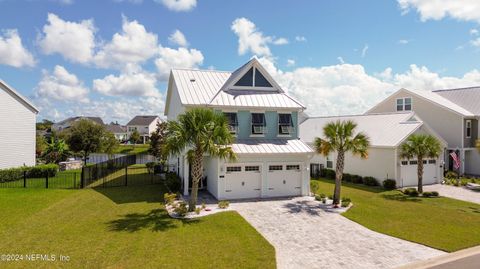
(192, 80)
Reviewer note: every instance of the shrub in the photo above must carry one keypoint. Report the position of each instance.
(347, 177)
(346, 199)
(223, 204)
(42, 170)
(426, 194)
(318, 198)
(451, 174)
(464, 181)
(181, 209)
(329, 173)
(390, 184)
(345, 203)
(324, 200)
(330, 197)
(150, 167)
(204, 206)
(173, 182)
(169, 198)
(314, 188)
(357, 179)
(370, 181)
(322, 195)
(197, 210)
(11, 174)
(411, 192)
(434, 193)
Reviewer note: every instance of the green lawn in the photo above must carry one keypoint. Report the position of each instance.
(441, 223)
(132, 149)
(123, 227)
(63, 179)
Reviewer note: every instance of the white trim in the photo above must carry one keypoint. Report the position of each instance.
(404, 104)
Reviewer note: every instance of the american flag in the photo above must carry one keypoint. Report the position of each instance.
(456, 160)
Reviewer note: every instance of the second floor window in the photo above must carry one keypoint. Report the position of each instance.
(285, 124)
(132, 129)
(404, 104)
(468, 124)
(258, 124)
(232, 122)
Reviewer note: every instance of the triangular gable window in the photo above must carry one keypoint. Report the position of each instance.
(253, 78)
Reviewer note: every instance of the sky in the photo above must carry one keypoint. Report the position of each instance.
(112, 58)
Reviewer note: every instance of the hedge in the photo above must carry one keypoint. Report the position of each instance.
(12, 174)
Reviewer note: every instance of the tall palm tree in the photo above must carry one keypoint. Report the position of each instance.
(420, 146)
(340, 136)
(200, 131)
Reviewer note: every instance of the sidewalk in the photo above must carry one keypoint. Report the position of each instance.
(466, 259)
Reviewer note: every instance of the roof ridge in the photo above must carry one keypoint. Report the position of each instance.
(202, 70)
(457, 89)
(360, 115)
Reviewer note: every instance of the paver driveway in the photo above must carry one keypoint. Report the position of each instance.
(460, 193)
(305, 236)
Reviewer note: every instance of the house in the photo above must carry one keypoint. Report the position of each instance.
(144, 125)
(17, 118)
(271, 160)
(387, 132)
(453, 114)
(67, 123)
(118, 130)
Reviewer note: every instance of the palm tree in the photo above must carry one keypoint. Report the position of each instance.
(421, 146)
(340, 136)
(200, 131)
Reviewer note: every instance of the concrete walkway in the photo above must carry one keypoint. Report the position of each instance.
(465, 259)
(460, 193)
(305, 236)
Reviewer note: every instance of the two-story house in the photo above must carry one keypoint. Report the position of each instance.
(272, 161)
(144, 125)
(453, 114)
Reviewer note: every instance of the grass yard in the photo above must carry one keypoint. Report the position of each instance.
(123, 227)
(63, 179)
(441, 223)
(132, 149)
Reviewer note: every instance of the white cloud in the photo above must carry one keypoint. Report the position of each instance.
(473, 32)
(403, 41)
(133, 45)
(74, 41)
(61, 86)
(250, 38)
(129, 1)
(176, 58)
(12, 51)
(134, 82)
(464, 10)
(178, 38)
(178, 5)
(475, 42)
(280, 41)
(340, 59)
(63, 2)
(290, 62)
(300, 39)
(364, 50)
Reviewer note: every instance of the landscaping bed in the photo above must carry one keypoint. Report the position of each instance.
(438, 222)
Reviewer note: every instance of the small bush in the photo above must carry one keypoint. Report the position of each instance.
(223, 204)
(347, 177)
(181, 209)
(330, 197)
(357, 179)
(42, 170)
(322, 195)
(314, 188)
(173, 182)
(435, 193)
(464, 181)
(451, 174)
(389, 184)
(150, 167)
(318, 198)
(427, 194)
(345, 203)
(169, 198)
(412, 192)
(11, 174)
(329, 173)
(324, 200)
(197, 210)
(204, 206)
(370, 181)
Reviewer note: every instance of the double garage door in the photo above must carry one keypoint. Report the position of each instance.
(246, 180)
(409, 172)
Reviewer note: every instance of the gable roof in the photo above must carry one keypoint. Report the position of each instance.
(270, 146)
(97, 120)
(467, 98)
(214, 88)
(18, 96)
(384, 130)
(142, 120)
(432, 97)
(116, 128)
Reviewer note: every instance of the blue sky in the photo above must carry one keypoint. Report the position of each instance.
(338, 57)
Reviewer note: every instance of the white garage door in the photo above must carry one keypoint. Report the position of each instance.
(243, 181)
(284, 180)
(409, 172)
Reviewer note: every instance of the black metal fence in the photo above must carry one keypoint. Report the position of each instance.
(62, 180)
(93, 173)
(128, 176)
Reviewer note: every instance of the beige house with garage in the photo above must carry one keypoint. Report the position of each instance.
(453, 114)
(387, 132)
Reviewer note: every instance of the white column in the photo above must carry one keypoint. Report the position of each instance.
(185, 175)
(462, 158)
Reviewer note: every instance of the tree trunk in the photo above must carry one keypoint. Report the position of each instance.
(338, 176)
(420, 174)
(197, 173)
(85, 156)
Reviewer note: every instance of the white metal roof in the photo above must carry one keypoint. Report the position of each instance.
(270, 146)
(442, 101)
(18, 96)
(467, 98)
(384, 130)
(209, 87)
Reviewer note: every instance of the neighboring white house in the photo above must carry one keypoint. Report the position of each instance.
(144, 125)
(67, 123)
(272, 161)
(453, 114)
(17, 118)
(118, 130)
(387, 132)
